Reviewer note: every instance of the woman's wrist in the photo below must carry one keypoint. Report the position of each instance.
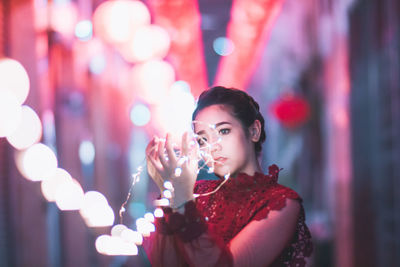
(179, 204)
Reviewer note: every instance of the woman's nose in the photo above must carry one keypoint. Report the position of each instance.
(216, 147)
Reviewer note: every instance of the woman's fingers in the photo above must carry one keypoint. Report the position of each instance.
(185, 148)
(170, 151)
(160, 152)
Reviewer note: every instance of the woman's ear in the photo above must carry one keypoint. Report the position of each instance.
(255, 131)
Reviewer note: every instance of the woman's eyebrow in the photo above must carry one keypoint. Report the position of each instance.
(216, 125)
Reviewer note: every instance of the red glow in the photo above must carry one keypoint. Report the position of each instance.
(181, 18)
(250, 24)
(292, 111)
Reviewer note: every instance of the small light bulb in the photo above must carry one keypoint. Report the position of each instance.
(178, 172)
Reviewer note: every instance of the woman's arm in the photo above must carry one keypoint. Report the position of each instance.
(257, 244)
(261, 242)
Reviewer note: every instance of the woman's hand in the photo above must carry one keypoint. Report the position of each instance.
(180, 170)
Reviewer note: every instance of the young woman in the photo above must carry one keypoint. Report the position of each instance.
(250, 220)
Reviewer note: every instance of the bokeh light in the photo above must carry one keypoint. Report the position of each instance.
(144, 227)
(50, 185)
(95, 210)
(14, 78)
(87, 152)
(223, 46)
(102, 244)
(84, 30)
(152, 80)
(140, 115)
(69, 195)
(99, 215)
(37, 163)
(158, 213)
(63, 17)
(116, 21)
(29, 130)
(97, 64)
(129, 235)
(174, 114)
(10, 113)
(149, 42)
(117, 229)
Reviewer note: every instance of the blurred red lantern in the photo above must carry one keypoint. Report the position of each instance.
(291, 110)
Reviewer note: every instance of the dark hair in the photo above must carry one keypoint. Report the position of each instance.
(242, 105)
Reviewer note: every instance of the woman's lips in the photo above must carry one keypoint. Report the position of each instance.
(220, 160)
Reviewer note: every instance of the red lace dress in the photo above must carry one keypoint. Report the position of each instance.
(202, 236)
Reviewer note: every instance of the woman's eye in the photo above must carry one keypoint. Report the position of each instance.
(202, 141)
(224, 131)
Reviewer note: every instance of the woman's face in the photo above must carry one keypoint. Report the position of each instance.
(230, 148)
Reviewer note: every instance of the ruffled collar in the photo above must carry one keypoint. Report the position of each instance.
(243, 180)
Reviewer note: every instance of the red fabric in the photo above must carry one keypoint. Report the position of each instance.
(239, 201)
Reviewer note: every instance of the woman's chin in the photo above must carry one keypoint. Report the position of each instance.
(221, 171)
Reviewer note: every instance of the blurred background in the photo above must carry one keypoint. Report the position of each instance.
(85, 84)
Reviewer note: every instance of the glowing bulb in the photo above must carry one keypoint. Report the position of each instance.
(14, 78)
(130, 236)
(95, 210)
(173, 114)
(140, 115)
(144, 227)
(50, 185)
(100, 216)
(29, 130)
(161, 202)
(178, 172)
(102, 244)
(158, 213)
(69, 196)
(168, 185)
(210, 170)
(149, 217)
(10, 113)
(167, 193)
(117, 229)
(128, 249)
(227, 176)
(87, 152)
(37, 163)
